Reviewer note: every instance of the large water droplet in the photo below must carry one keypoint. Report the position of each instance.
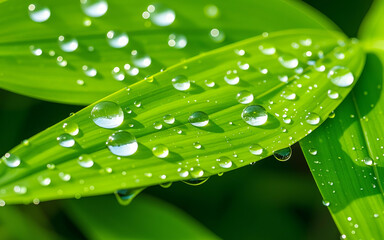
(122, 143)
(160, 151)
(161, 15)
(68, 44)
(38, 13)
(125, 196)
(368, 161)
(231, 77)
(341, 76)
(117, 39)
(283, 154)
(244, 97)
(254, 115)
(224, 162)
(11, 160)
(199, 119)
(181, 83)
(85, 161)
(141, 60)
(66, 140)
(312, 118)
(256, 149)
(107, 114)
(288, 61)
(94, 8)
(71, 128)
(177, 41)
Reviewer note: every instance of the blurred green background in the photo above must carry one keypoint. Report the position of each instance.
(269, 200)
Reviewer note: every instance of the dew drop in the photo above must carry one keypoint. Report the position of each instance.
(177, 41)
(231, 77)
(71, 128)
(283, 154)
(287, 120)
(125, 196)
(35, 50)
(122, 143)
(243, 65)
(117, 39)
(256, 149)
(89, 71)
(157, 125)
(217, 35)
(224, 162)
(160, 151)
(141, 60)
(326, 203)
(66, 140)
(283, 78)
(199, 119)
(107, 114)
(118, 74)
(61, 61)
(211, 11)
(332, 114)
(341, 76)
(267, 49)
(94, 8)
(181, 83)
(244, 97)
(368, 161)
(44, 181)
(20, 189)
(183, 172)
(38, 13)
(312, 118)
(312, 151)
(289, 95)
(288, 61)
(197, 145)
(85, 161)
(68, 44)
(196, 172)
(11, 160)
(209, 83)
(161, 15)
(254, 115)
(131, 70)
(333, 94)
(169, 119)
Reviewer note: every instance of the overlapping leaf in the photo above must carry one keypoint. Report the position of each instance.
(286, 78)
(58, 76)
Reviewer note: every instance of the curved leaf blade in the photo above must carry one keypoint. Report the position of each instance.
(226, 135)
(41, 76)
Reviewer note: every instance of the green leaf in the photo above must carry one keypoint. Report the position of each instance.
(42, 77)
(348, 166)
(284, 82)
(371, 31)
(133, 221)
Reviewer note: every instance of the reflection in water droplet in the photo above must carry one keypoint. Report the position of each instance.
(181, 83)
(169, 119)
(157, 125)
(217, 35)
(256, 149)
(333, 94)
(38, 13)
(326, 203)
(244, 97)
(368, 161)
(160, 151)
(283, 78)
(66, 140)
(89, 71)
(197, 145)
(283, 154)
(131, 70)
(289, 95)
(267, 49)
(61, 61)
(209, 83)
(341, 76)
(231, 77)
(254, 115)
(85, 161)
(20, 189)
(224, 162)
(312, 118)
(11, 160)
(71, 128)
(107, 114)
(177, 41)
(312, 151)
(161, 15)
(94, 8)
(68, 44)
(125, 196)
(332, 114)
(35, 50)
(117, 39)
(288, 61)
(122, 143)
(44, 181)
(199, 119)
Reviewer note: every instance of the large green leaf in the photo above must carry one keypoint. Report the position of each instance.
(132, 222)
(371, 31)
(42, 77)
(287, 80)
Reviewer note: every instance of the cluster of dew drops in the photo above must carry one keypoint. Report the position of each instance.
(109, 115)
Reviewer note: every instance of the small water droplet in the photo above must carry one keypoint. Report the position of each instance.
(161, 15)
(333, 94)
(68, 44)
(85, 161)
(94, 8)
(243, 65)
(157, 125)
(217, 35)
(183, 172)
(177, 41)
(122, 143)
(125, 196)
(254, 115)
(169, 119)
(140, 59)
(283, 154)
(118, 74)
(196, 172)
(166, 185)
(11, 160)
(267, 49)
(231, 77)
(211, 11)
(38, 13)
(312, 151)
(44, 181)
(209, 83)
(35, 50)
(107, 114)
(283, 78)
(312, 118)
(197, 145)
(244, 97)
(71, 128)
(20, 189)
(256, 149)
(131, 70)
(289, 95)
(224, 162)
(326, 203)
(199, 119)
(89, 71)
(160, 151)
(287, 120)
(117, 39)
(368, 161)
(332, 114)
(288, 61)
(341, 76)
(181, 83)
(66, 140)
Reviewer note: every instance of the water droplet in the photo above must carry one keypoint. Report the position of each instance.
(256, 149)
(197, 145)
(20, 189)
(183, 172)
(169, 119)
(231, 77)
(94, 8)
(71, 128)
(89, 71)
(11, 160)
(217, 35)
(326, 203)
(160, 151)
(312, 151)
(341, 76)
(181, 83)
(68, 44)
(107, 114)
(287, 120)
(368, 161)
(196, 181)
(122, 143)
(196, 172)
(244, 97)
(289, 95)
(44, 181)
(61, 61)
(199, 119)
(117, 39)
(243, 65)
(333, 94)
(211, 11)
(35, 50)
(157, 125)
(224, 162)
(141, 60)
(267, 49)
(283, 78)
(283, 154)
(312, 118)
(254, 115)
(85, 161)
(288, 61)
(332, 114)
(131, 70)
(118, 74)
(125, 196)
(209, 83)
(166, 185)
(39, 13)
(161, 15)
(137, 104)
(66, 140)
(177, 40)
